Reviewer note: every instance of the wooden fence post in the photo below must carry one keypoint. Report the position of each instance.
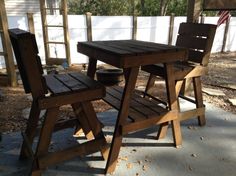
(7, 50)
(171, 28)
(89, 26)
(225, 35)
(134, 31)
(202, 19)
(30, 18)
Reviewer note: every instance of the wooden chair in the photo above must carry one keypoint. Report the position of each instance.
(50, 92)
(198, 38)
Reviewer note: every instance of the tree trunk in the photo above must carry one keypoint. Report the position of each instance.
(163, 7)
(142, 2)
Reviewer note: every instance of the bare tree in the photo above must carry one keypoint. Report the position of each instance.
(142, 3)
(163, 7)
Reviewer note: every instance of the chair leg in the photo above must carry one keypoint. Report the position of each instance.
(79, 112)
(95, 126)
(164, 127)
(44, 139)
(150, 83)
(178, 86)
(186, 88)
(30, 131)
(199, 99)
(176, 131)
(162, 130)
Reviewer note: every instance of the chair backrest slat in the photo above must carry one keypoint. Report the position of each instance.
(198, 38)
(192, 42)
(29, 64)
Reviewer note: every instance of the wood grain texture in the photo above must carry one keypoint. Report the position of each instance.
(135, 112)
(130, 53)
(73, 89)
(198, 38)
(219, 5)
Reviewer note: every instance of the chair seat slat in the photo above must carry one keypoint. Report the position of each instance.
(85, 80)
(70, 82)
(55, 86)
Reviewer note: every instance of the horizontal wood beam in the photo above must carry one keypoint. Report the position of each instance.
(139, 125)
(78, 150)
(57, 100)
(219, 5)
(191, 113)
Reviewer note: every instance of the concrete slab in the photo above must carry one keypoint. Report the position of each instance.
(208, 150)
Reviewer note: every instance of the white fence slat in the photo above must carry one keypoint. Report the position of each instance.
(153, 29)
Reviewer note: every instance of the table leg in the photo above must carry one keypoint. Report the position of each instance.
(162, 130)
(131, 77)
(150, 83)
(173, 105)
(92, 67)
(198, 97)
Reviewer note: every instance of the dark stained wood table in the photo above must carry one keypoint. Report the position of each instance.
(135, 111)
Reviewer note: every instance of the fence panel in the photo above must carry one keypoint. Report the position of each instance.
(177, 22)
(155, 29)
(111, 27)
(231, 38)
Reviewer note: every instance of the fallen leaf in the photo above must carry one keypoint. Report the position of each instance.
(129, 165)
(125, 158)
(108, 139)
(194, 155)
(145, 167)
(134, 150)
(139, 162)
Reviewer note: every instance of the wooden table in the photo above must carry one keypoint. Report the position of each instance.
(135, 112)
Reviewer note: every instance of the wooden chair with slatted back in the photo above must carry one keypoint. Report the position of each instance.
(50, 92)
(198, 38)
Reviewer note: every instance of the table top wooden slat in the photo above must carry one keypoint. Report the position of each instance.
(130, 53)
(147, 45)
(128, 47)
(103, 45)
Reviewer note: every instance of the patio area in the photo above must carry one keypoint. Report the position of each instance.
(191, 150)
(208, 150)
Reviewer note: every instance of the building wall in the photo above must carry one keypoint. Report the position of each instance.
(21, 7)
